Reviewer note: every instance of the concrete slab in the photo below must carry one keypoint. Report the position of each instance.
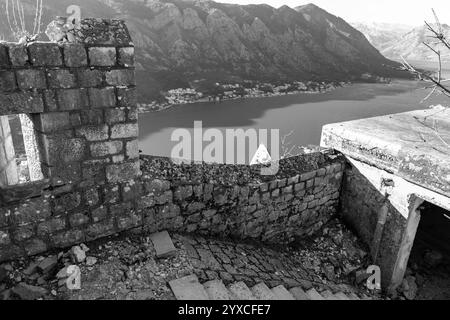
(188, 288)
(216, 290)
(299, 293)
(281, 293)
(163, 244)
(240, 291)
(262, 292)
(412, 145)
(314, 295)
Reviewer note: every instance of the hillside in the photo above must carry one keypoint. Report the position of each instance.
(396, 41)
(180, 41)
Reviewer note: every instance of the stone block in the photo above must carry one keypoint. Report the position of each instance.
(102, 56)
(31, 211)
(102, 98)
(7, 81)
(18, 54)
(31, 79)
(45, 54)
(123, 77)
(132, 149)
(15, 103)
(35, 246)
(124, 131)
(88, 78)
(61, 79)
(59, 149)
(307, 176)
(188, 288)
(4, 238)
(68, 238)
(91, 117)
(78, 219)
(51, 226)
(99, 214)
(102, 149)
(72, 99)
(100, 229)
(126, 56)
(115, 115)
(128, 220)
(51, 122)
(4, 60)
(122, 172)
(74, 55)
(94, 133)
(50, 100)
(23, 233)
(94, 172)
(127, 97)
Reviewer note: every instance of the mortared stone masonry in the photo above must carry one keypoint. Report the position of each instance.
(78, 92)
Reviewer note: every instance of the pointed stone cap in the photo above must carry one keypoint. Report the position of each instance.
(261, 156)
(91, 31)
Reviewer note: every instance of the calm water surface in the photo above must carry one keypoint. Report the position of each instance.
(303, 113)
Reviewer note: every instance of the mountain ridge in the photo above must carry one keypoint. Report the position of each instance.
(180, 41)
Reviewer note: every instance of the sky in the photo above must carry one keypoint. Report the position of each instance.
(409, 12)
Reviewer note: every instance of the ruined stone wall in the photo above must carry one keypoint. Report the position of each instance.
(80, 97)
(229, 200)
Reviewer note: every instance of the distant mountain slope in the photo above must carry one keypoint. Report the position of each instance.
(381, 35)
(179, 41)
(395, 41)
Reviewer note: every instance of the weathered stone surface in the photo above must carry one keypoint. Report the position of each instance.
(122, 172)
(128, 130)
(120, 78)
(163, 244)
(27, 292)
(72, 99)
(94, 133)
(188, 288)
(45, 54)
(18, 54)
(126, 56)
(74, 55)
(15, 103)
(7, 81)
(61, 78)
(102, 98)
(102, 149)
(102, 56)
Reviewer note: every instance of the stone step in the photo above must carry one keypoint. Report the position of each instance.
(341, 296)
(188, 288)
(299, 293)
(328, 295)
(240, 291)
(262, 292)
(216, 290)
(314, 295)
(353, 296)
(281, 293)
(163, 244)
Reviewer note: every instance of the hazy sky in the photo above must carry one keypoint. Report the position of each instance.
(411, 12)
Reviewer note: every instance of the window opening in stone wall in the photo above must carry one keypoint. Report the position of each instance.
(19, 153)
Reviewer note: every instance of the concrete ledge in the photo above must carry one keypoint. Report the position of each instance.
(404, 144)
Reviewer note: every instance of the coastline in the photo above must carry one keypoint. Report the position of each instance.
(155, 107)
